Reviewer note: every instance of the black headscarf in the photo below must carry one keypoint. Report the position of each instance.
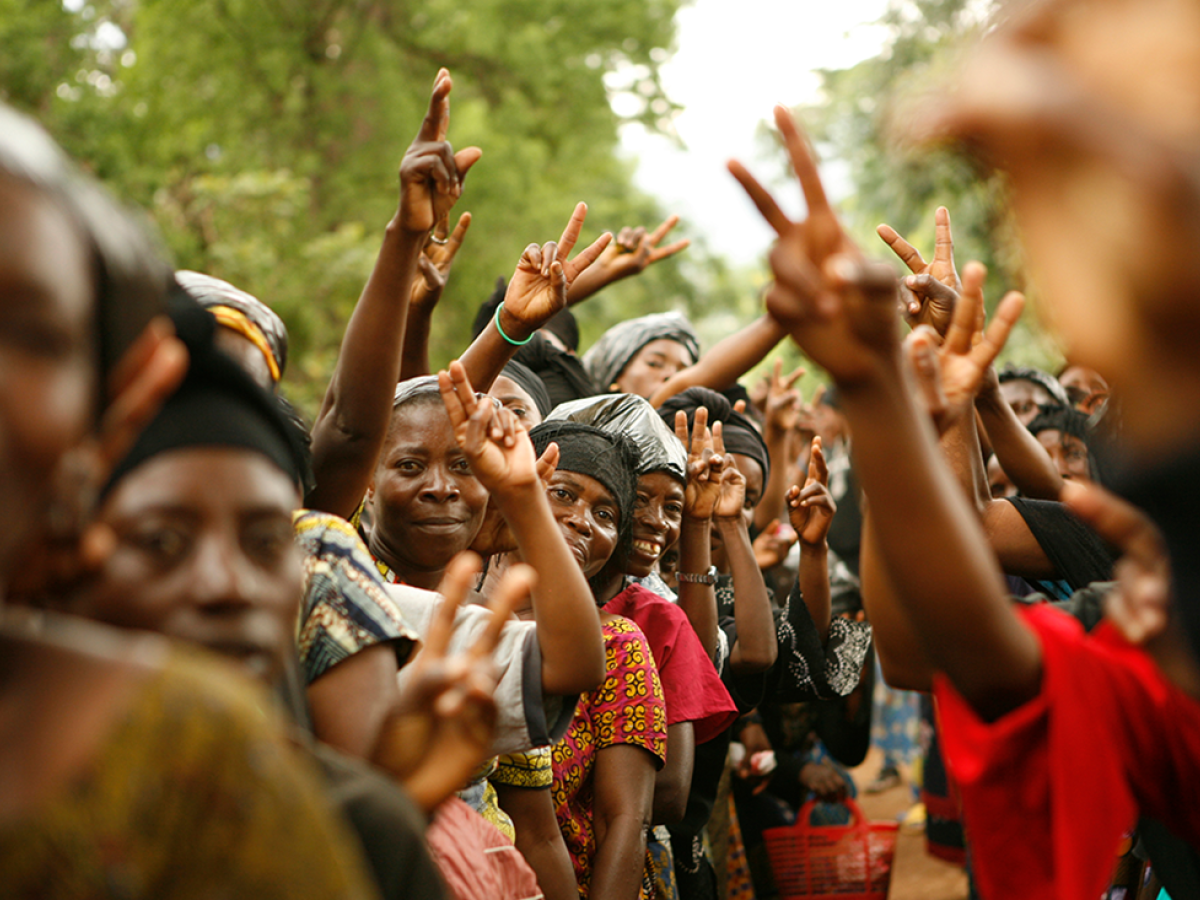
(612, 459)
(217, 405)
(738, 429)
(531, 384)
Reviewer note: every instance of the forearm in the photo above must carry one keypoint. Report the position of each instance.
(967, 627)
(901, 654)
(699, 601)
(539, 839)
(354, 417)
(620, 857)
(960, 446)
(673, 782)
(771, 504)
(756, 646)
(490, 352)
(726, 361)
(414, 360)
(1020, 454)
(813, 574)
(568, 623)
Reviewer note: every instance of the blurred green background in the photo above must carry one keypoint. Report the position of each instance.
(263, 137)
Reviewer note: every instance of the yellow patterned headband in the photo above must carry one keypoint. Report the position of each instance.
(238, 321)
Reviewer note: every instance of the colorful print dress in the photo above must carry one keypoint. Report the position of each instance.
(628, 708)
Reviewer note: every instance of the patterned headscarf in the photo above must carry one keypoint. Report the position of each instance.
(608, 357)
(239, 311)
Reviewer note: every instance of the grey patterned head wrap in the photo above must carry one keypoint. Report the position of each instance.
(659, 450)
(210, 292)
(608, 357)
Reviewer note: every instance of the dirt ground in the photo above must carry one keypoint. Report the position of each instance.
(916, 875)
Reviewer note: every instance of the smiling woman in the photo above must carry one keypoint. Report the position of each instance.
(426, 504)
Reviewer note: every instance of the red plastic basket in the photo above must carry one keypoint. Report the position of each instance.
(832, 862)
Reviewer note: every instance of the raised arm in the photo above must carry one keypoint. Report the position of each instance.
(704, 467)
(435, 264)
(353, 421)
(536, 292)
(842, 312)
(783, 407)
(502, 458)
(811, 508)
(756, 647)
(726, 361)
(631, 253)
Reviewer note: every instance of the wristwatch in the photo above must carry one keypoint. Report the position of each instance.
(709, 577)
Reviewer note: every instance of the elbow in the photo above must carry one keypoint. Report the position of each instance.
(577, 674)
(670, 804)
(752, 663)
(905, 677)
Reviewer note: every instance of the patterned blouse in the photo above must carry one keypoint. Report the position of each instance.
(628, 708)
(345, 608)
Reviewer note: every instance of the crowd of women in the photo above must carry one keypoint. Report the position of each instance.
(552, 623)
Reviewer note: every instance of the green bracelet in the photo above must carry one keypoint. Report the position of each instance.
(505, 336)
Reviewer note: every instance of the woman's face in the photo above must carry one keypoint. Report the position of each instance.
(657, 520)
(1069, 453)
(48, 380)
(513, 397)
(652, 365)
(753, 473)
(588, 516)
(427, 505)
(1025, 397)
(204, 554)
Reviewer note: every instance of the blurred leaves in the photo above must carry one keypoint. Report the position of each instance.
(264, 136)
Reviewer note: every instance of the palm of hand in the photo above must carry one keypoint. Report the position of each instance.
(701, 496)
(854, 326)
(732, 497)
(495, 465)
(814, 526)
(532, 296)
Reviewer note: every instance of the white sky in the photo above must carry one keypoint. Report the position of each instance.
(734, 62)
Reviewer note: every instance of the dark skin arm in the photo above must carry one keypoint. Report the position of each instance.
(727, 361)
(631, 253)
(703, 490)
(842, 312)
(434, 264)
(950, 377)
(811, 508)
(673, 782)
(350, 701)
(502, 458)
(783, 408)
(350, 428)
(623, 781)
(536, 292)
(756, 646)
(539, 839)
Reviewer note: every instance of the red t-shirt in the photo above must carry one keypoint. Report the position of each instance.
(1049, 789)
(691, 685)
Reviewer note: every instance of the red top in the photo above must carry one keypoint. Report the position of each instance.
(1049, 789)
(691, 685)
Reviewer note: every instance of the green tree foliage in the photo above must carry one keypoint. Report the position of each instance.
(861, 123)
(264, 136)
